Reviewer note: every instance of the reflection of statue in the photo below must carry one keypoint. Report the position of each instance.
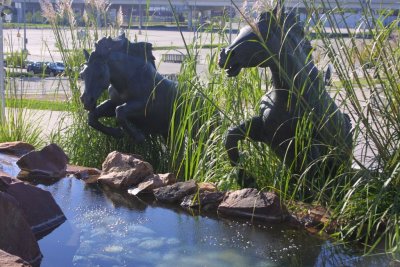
(298, 100)
(140, 98)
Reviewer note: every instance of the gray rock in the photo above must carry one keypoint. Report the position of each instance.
(153, 182)
(122, 171)
(207, 201)
(176, 192)
(251, 203)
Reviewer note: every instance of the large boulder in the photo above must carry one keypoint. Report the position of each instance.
(251, 203)
(122, 171)
(50, 162)
(16, 148)
(176, 192)
(8, 260)
(153, 182)
(16, 237)
(41, 211)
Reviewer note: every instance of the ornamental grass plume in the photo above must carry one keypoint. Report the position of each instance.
(65, 10)
(100, 5)
(120, 17)
(48, 11)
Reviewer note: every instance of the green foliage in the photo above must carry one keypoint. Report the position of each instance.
(370, 208)
(20, 124)
(16, 58)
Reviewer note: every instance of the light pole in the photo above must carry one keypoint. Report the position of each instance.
(5, 8)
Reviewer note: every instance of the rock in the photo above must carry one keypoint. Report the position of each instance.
(16, 237)
(251, 203)
(312, 217)
(88, 175)
(123, 170)
(153, 182)
(8, 260)
(50, 162)
(38, 206)
(205, 186)
(16, 148)
(176, 192)
(207, 201)
(5, 181)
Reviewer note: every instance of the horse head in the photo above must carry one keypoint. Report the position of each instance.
(262, 43)
(96, 76)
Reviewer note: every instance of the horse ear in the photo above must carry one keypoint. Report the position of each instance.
(86, 54)
(122, 35)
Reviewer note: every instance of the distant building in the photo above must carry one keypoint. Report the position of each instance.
(200, 10)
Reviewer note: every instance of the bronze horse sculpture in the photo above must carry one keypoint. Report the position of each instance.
(298, 96)
(140, 98)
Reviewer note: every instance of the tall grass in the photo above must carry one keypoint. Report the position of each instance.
(367, 64)
(364, 198)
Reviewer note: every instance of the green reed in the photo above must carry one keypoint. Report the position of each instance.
(367, 63)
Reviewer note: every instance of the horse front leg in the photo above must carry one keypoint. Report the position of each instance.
(105, 109)
(125, 112)
(252, 129)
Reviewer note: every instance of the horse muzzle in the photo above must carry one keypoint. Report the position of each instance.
(227, 61)
(222, 58)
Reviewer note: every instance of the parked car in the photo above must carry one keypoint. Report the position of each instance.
(49, 68)
(36, 67)
(55, 68)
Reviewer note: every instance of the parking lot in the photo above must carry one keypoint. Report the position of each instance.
(41, 47)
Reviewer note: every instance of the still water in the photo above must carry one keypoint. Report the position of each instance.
(106, 228)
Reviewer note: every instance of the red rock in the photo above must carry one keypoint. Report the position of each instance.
(16, 148)
(251, 203)
(88, 175)
(8, 260)
(38, 206)
(207, 187)
(153, 182)
(51, 162)
(122, 171)
(16, 237)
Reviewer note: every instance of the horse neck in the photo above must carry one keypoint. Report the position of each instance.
(295, 73)
(120, 64)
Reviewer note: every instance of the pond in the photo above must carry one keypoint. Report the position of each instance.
(107, 228)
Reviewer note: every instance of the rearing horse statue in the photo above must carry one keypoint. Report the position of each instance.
(297, 100)
(140, 98)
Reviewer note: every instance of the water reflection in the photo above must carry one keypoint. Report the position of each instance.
(110, 229)
(107, 228)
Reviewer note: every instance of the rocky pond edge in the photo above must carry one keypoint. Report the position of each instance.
(124, 173)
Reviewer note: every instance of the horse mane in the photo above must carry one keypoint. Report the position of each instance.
(120, 43)
(291, 26)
